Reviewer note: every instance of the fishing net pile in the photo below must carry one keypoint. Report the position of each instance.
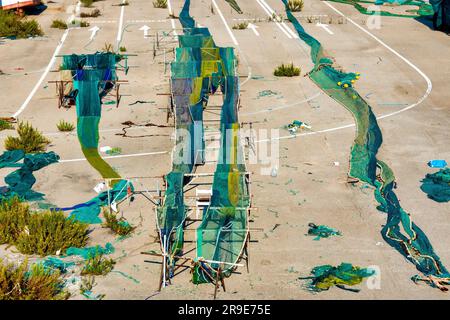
(437, 185)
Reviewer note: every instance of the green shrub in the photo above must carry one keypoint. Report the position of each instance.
(30, 140)
(98, 266)
(11, 25)
(87, 3)
(108, 47)
(34, 283)
(5, 125)
(241, 26)
(84, 24)
(65, 126)
(120, 227)
(93, 14)
(58, 24)
(123, 49)
(160, 4)
(42, 233)
(288, 70)
(295, 5)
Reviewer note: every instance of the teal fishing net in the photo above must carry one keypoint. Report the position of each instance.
(321, 231)
(21, 181)
(326, 276)
(437, 185)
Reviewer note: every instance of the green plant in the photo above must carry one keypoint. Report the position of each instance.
(30, 283)
(59, 24)
(295, 5)
(98, 266)
(11, 25)
(160, 4)
(5, 125)
(30, 140)
(288, 70)
(93, 14)
(120, 227)
(87, 3)
(42, 233)
(84, 24)
(123, 49)
(125, 3)
(108, 47)
(65, 126)
(241, 26)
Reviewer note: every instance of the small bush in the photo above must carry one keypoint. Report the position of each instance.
(87, 3)
(30, 140)
(288, 70)
(93, 14)
(11, 25)
(58, 24)
(98, 266)
(160, 4)
(241, 26)
(295, 5)
(34, 283)
(5, 125)
(123, 49)
(120, 227)
(65, 126)
(125, 3)
(108, 47)
(42, 233)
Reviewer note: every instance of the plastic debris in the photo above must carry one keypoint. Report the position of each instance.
(437, 163)
(99, 187)
(296, 124)
(114, 151)
(322, 231)
(105, 149)
(274, 172)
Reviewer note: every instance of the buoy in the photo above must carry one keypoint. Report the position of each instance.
(354, 97)
(345, 85)
(339, 83)
(352, 81)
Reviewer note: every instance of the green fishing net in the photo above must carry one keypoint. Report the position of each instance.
(321, 231)
(437, 185)
(21, 181)
(326, 276)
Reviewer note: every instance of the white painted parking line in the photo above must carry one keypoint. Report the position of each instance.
(49, 66)
(254, 27)
(325, 27)
(172, 21)
(426, 94)
(225, 23)
(102, 21)
(147, 21)
(276, 22)
(119, 156)
(282, 24)
(119, 29)
(427, 79)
